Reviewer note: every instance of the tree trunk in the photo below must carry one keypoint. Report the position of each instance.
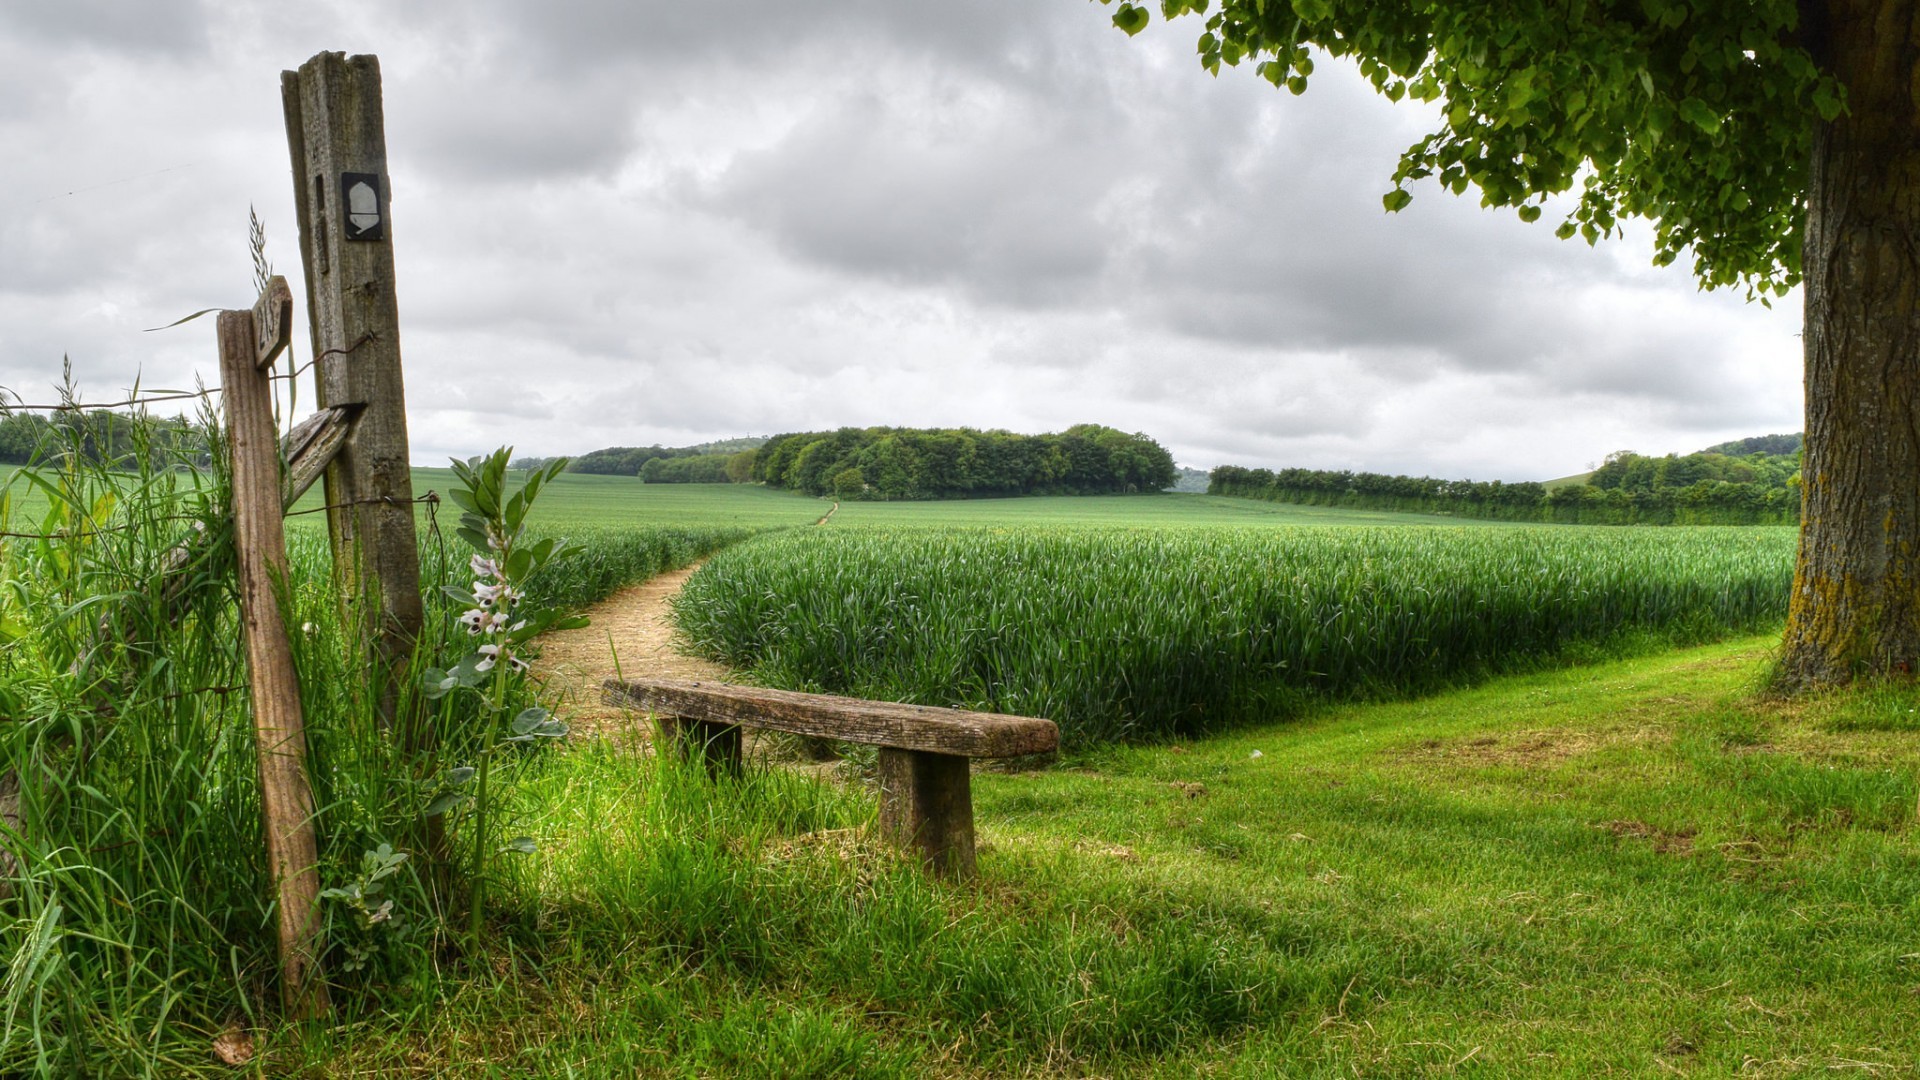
(1856, 591)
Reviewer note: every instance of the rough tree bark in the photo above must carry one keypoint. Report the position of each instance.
(1856, 594)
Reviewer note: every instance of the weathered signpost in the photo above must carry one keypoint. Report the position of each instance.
(336, 133)
(359, 438)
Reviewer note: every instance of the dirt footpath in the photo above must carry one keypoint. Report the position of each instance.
(629, 633)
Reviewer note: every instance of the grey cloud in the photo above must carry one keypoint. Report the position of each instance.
(563, 35)
(1001, 208)
(175, 27)
(477, 123)
(621, 223)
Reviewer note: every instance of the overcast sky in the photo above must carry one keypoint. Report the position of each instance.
(621, 222)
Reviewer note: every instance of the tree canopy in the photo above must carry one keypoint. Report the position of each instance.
(1692, 114)
(100, 436)
(928, 463)
(1705, 488)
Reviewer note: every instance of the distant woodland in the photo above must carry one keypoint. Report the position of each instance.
(925, 463)
(101, 436)
(1746, 482)
(706, 463)
(907, 463)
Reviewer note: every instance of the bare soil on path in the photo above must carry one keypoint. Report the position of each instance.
(628, 635)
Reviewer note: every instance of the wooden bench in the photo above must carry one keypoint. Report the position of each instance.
(926, 796)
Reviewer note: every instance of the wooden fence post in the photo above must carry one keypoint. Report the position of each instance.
(337, 137)
(259, 542)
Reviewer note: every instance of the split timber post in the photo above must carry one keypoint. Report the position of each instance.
(249, 343)
(336, 133)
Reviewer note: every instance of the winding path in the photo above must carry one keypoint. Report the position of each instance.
(629, 633)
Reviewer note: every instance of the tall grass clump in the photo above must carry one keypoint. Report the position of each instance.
(136, 923)
(1118, 634)
(772, 885)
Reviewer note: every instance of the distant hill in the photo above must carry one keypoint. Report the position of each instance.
(1191, 481)
(1773, 445)
(1754, 481)
(631, 460)
(730, 446)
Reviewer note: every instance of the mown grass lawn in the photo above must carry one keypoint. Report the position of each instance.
(1632, 869)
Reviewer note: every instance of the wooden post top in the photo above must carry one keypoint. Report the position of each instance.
(874, 723)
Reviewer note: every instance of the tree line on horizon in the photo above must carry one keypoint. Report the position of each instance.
(711, 458)
(1745, 482)
(102, 436)
(884, 463)
(887, 463)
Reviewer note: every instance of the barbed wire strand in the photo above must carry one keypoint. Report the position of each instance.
(431, 499)
(169, 395)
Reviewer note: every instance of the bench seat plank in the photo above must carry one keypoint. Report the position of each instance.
(876, 723)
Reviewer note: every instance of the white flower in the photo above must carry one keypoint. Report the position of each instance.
(482, 621)
(488, 654)
(486, 593)
(484, 567)
(1256, 755)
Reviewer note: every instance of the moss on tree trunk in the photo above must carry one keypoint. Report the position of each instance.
(1856, 600)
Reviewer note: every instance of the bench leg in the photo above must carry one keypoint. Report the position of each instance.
(926, 805)
(718, 745)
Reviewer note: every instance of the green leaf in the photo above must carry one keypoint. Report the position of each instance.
(1396, 200)
(460, 775)
(464, 499)
(522, 845)
(438, 683)
(444, 802)
(1700, 115)
(528, 720)
(181, 319)
(1827, 100)
(1529, 213)
(1131, 19)
(467, 672)
(1565, 231)
(519, 563)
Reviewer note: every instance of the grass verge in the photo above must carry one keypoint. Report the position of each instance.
(1631, 869)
